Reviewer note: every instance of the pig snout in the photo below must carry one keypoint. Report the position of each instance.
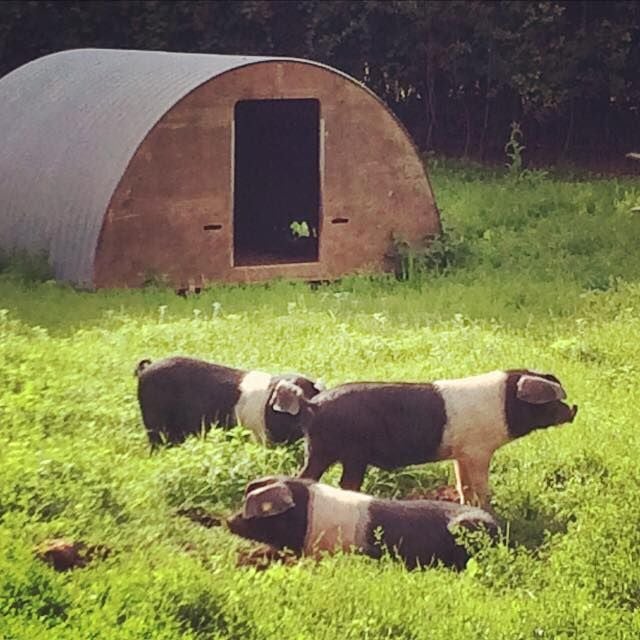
(574, 411)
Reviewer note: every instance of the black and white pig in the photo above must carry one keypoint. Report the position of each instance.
(391, 425)
(310, 518)
(181, 396)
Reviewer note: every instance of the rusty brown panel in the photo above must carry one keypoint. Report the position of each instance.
(180, 180)
(177, 183)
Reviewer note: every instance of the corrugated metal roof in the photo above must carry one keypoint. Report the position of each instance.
(69, 124)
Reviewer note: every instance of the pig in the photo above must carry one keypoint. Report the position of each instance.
(391, 425)
(310, 518)
(180, 396)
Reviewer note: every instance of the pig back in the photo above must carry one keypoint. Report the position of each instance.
(389, 424)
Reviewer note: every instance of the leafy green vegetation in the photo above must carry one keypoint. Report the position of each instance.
(549, 280)
(456, 72)
(25, 267)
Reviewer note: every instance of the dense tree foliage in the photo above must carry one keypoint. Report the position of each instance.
(456, 72)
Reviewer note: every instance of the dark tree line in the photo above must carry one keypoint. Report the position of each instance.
(456, 72)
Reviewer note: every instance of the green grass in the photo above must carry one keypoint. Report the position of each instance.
(545, 275)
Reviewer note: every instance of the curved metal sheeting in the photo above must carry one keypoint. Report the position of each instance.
(69, 124)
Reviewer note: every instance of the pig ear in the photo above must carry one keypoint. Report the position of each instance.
(260, 482)
(537, 390)
(268, 501)
(286, 397)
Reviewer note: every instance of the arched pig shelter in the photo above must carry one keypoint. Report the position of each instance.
(129, 165)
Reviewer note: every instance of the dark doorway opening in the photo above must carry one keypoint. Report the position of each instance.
(276, 200)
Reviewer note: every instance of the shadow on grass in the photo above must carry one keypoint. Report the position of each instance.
(530, 524)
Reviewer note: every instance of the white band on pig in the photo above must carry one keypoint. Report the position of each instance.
(536, 390)
(254, 395)
(338, 519)
(475, 415)
(268, 501)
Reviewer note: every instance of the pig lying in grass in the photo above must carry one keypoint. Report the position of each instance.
(309, 518)
(182, 396)
(391, 425)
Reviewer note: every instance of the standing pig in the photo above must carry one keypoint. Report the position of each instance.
(391, 425)
(182, 396)
(309, 518)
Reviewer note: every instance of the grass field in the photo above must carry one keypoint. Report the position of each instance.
(541, 272)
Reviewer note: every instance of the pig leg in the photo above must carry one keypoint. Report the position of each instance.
(313, 469)
(155, 440)
(462, 481)
(353, 475)
(472, 479)
(316, 464)
(153, 421)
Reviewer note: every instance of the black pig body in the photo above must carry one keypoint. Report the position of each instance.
(181, 396)
(310, 518)
(391, 425)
